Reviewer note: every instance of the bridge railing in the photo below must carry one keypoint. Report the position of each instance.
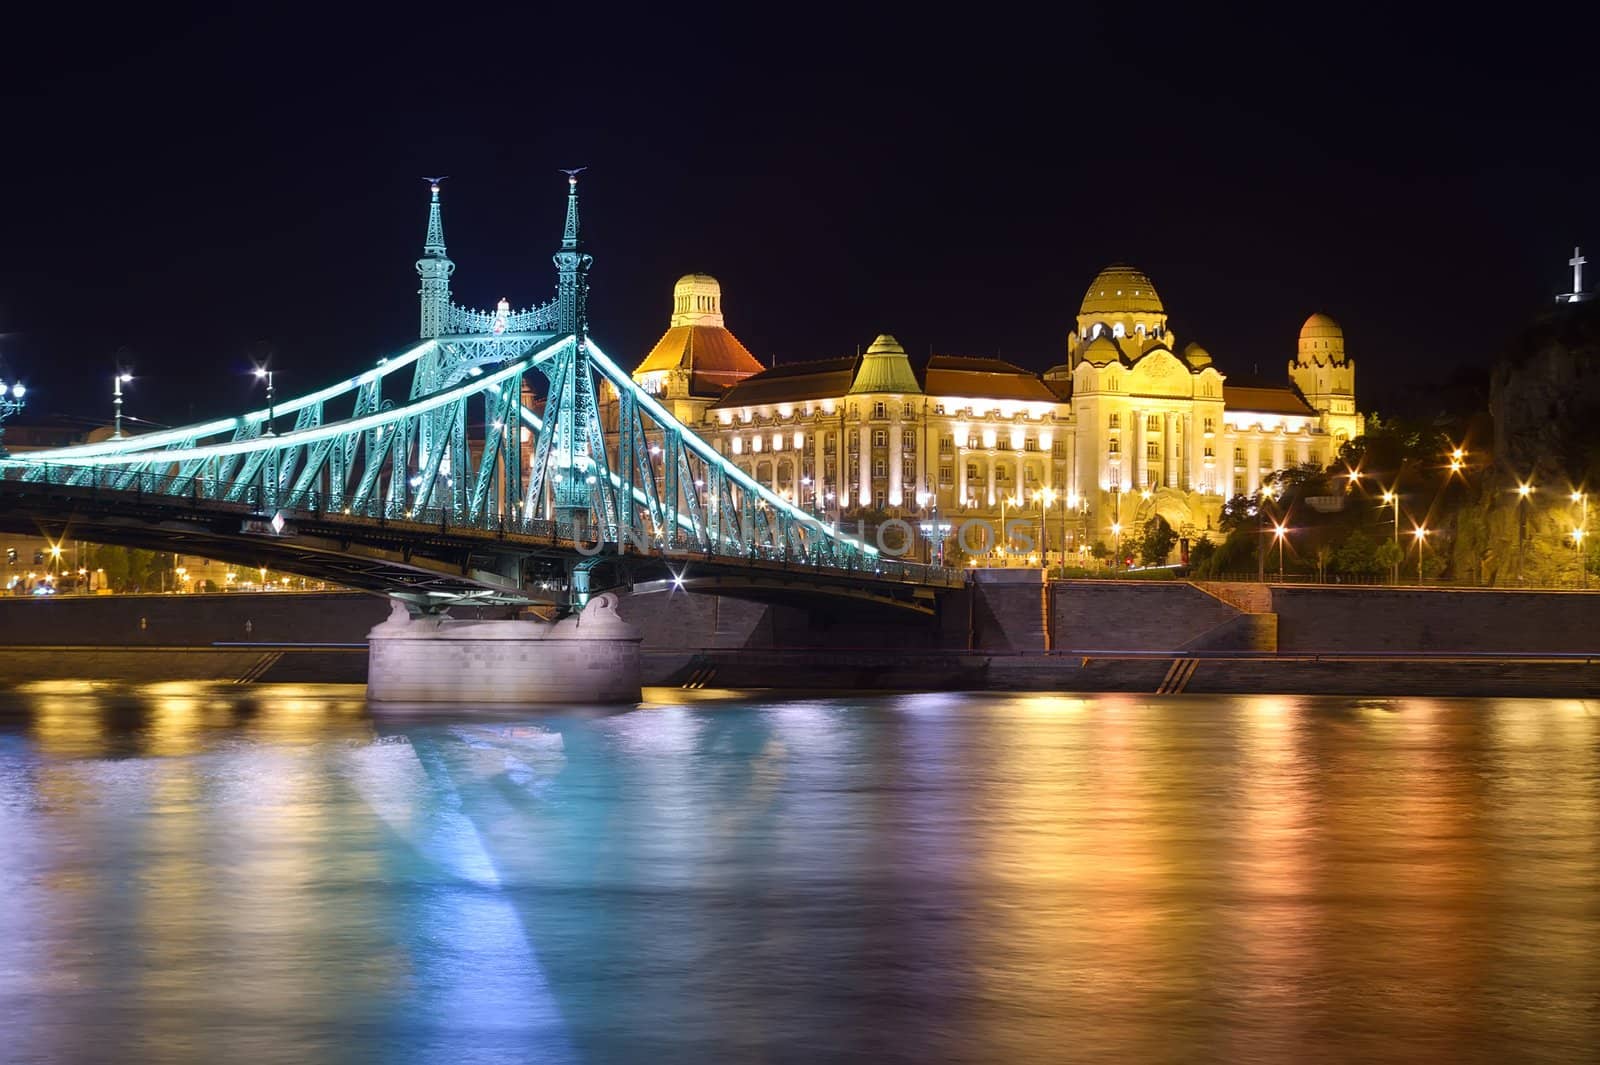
(193, 492)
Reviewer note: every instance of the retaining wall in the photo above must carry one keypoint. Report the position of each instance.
(1332, 619)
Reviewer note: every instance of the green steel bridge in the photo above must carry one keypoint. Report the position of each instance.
(375, 482)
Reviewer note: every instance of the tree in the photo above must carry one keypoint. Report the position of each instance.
(1357, 556)
(1156, 541)
(1389, 555)
(1201, 552)
(1236, 512)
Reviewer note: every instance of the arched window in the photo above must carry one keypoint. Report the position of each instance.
(1117, 330)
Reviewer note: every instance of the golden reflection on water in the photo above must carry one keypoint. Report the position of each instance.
(1112, 878)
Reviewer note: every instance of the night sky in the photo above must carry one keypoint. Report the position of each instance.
(193, 188)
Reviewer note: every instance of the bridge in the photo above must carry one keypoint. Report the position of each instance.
(506, 458)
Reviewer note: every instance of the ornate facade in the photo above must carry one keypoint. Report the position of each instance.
(1128, 427)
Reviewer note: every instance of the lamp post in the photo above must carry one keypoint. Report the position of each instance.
(1391, 497)
(1280, 532)
(120, 378)
(1422, 538)
(11, 402)
(1116, 537)
(1261, 533)
(1524, 490)
(1044, 496)
(265, 374)
(1579, 531)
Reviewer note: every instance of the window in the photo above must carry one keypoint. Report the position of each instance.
(1030, 444)
(1152, 451)
(854, 442)
(1114, 421)
(972, 471)
(1209, 427)
(1238, 485)
(879, 410)
(1117, 330)
(972, 443)
(1002, 474)
(1238, 456)
(880, 499)
(946, 476)
(1139, 329)
(908, 440)
(908, 470)
(1059, 449)
(1153, 423)
(909, 413)
(880, 468)
(827, 444)
(938, 408)
(1209, 454)
(880, 438)
(947, 445)
(1114, 447)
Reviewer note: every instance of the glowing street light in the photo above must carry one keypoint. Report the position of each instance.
(1391, 497)
(1421, 534)
(265, 374)
(120, 378)
(1280, 533)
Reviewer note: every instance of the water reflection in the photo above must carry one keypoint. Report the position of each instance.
(918, 878)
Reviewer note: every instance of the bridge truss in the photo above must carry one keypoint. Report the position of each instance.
(584, 487)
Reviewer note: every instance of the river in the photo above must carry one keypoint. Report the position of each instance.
(194, 873)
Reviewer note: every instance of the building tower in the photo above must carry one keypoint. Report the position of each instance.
(435, 269)
(1326, 376)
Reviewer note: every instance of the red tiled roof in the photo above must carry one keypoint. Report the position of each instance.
(1266, 399)
(982, 378)
(713, 355)
(792, 383)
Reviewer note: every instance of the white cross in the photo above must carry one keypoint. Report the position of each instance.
(1576, 262)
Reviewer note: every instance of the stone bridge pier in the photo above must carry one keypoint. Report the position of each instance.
(590, 657)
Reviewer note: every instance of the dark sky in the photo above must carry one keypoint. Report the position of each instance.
(186, 186)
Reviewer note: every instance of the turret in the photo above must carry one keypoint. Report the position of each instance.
(435, 269)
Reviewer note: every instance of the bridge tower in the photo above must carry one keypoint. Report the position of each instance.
(576, 410)
(435, 269)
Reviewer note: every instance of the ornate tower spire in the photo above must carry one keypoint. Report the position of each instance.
(572, 268)
(435, 269)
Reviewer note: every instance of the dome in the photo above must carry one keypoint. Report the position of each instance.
(1321, 338)
(1120, 289)
(885, 368)
(697, 300)
(1196, 356)
(1101, 350)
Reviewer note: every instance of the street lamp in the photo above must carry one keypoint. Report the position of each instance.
(1044, 497)
(1116, 536)
(120, 378)
(1280, 532)
(1524, 490)
(1422, 538)
(11, 402)
(265, 374)
(1391, 497)
(1267, 493)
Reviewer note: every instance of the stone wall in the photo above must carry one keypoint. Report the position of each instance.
(1331, 620)
(190, 620)
(1137, 616)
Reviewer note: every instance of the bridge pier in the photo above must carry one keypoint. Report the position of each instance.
(591, 657)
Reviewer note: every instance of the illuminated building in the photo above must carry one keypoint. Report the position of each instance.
(1128, 427)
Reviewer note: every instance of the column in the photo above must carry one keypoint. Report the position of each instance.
(961, 473)
(1190, 459)
(1277, 450)
(896, 460)
(990, 456)
(864, 490)
(1169, 451)
(1252, 454)
(1136, 462)
(816, 470)
(1302, 450)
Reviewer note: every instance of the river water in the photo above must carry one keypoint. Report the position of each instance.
(198, 874)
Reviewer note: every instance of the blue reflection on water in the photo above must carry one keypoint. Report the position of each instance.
(279, 874)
